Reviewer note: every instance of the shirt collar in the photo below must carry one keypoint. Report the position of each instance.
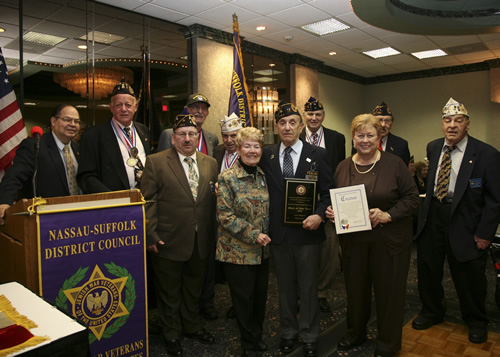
(297, 147)
(460, 146)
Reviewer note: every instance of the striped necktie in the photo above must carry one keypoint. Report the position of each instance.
(443, 180)
(70, 172)
(315, 139)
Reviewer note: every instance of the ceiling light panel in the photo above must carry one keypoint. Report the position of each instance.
(429, 54)
(43, 39)
(382, 52)
(102, 37)
(325, 27)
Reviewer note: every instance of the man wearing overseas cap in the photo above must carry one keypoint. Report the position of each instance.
(316, 134)
(198, 106)
(459, 219)
(54, 175)
(178, 186)
(390, 142)
(295, 248)
(225, 153)
(113, 153)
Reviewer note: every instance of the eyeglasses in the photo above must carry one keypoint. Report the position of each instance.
(190, 134)
(385, 121)
(70, 120)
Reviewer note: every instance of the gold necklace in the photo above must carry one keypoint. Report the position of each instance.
(373, 165)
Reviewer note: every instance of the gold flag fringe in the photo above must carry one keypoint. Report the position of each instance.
(21, 320)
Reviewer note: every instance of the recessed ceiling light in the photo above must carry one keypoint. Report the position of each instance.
(260, 28)
(382, 52)
(102, 37)
(429, 54)
(184, 58)
(332, 53)
(82, 47)
(325, 27)
(42, 38)
(2, 29)
(272, 64)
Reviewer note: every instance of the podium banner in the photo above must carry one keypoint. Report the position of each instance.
(92, 265)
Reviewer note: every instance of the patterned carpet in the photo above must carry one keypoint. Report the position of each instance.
(332, 324)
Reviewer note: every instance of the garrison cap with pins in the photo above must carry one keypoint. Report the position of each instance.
(382, 109)
(197, 98)
(285, 109)
(312, 105)
(123, 87)
(454, 108)
(184, 119)
(230, 123)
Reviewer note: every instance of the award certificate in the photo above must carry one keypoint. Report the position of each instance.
(351, 209)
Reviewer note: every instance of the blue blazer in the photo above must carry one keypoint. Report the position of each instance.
(476, 202)
(270, 164)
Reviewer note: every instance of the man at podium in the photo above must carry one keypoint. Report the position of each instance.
(54, 158)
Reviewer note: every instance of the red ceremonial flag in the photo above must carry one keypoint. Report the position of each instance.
(12, 130)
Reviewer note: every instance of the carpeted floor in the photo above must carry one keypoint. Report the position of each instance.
(332, 324)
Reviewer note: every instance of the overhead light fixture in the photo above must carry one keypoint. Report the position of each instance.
(2, 29)
(185, 58)
(105, 79)
(30, 104)
(169, 96)
(82, 47)
(260, 28)
(382, 52)
(102, 37)
(263, 79)
(42, 38)
(81, 106)
(332, 53)
(429, 54)
(325, 27)
(267, 72)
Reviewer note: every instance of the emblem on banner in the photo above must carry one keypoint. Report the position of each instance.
(98, 302)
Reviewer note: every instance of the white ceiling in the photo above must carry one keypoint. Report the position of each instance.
(282, 18)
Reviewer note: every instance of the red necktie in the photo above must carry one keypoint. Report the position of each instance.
(380, 145)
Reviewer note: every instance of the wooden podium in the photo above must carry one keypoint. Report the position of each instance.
(18, 237)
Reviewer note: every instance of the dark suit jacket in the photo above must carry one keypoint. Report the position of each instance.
(165, 141)
(101, 166)
(171, 210)
(270, 164)
(334, 145)
(397, 146)
(219, 155)
(476, 200)
(51, 176)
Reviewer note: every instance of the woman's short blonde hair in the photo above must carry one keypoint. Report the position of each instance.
(419, 166)
(249, 133)
(363, 120)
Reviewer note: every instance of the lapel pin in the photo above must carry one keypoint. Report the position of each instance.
(272, 156)
(308, 160)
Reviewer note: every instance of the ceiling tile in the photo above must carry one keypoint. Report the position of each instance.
(266, 7)
(300, 15)
(188, 7)
(161, 12)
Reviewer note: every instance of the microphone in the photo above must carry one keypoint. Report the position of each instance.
(36, 132)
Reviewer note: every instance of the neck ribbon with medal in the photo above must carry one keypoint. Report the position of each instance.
(133, 161)
(310, 139)
(227, 162)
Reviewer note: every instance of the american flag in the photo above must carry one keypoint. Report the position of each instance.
(12, 130)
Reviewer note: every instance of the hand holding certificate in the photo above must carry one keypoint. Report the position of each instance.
(351, 209)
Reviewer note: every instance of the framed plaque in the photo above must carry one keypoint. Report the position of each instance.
(300, 200)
